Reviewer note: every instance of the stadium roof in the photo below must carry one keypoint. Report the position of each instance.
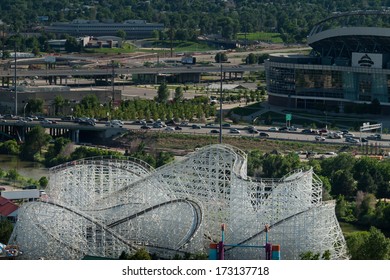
(338, 35)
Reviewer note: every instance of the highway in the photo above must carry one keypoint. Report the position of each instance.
(91, 72)
(204, 130)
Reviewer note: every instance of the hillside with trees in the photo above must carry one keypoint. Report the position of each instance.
(186, 19)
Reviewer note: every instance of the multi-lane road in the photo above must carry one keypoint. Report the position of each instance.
(240, 131)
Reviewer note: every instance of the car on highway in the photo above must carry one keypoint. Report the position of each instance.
(273, 129)
(283, 128)
(196, 126)
(253, 131)
(234, 131)
(145, 127)
(310, 131)
(158, 125)
(374, 137)
(67, 118)
(319, 138)
(116, 125)
(351, 140)
(263, 134)
(171, 123)
(178, 128)
(45, 121)
(292, 128)
(226, 125)
(210, 125)
(169, 128)
(214, 131)
(349, 135)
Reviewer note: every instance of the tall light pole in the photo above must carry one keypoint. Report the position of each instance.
(220, 108)
(15, 88)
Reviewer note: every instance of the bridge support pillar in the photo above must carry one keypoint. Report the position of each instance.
(75, 135)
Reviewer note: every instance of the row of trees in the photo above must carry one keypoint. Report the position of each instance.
(186, 19)
(39, 146)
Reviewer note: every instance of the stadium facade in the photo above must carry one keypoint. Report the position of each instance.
(347, 66)
(103, 206)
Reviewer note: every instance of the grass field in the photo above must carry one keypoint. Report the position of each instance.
(183, 46)
(261, 36)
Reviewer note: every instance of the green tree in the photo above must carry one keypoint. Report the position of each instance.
(10, 147)
(343, 183)
(251, 59)
(72, 45)
(221, 57)
(140, 254)
(35, 106)
(162, 93)
(43, 181)
(35, 140)
(6, 229)
(12, 174)
(59, 103)
(372, 245)
(179, 96)
(311, 256)
(122, 34)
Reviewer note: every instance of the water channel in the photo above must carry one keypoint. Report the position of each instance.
(26, 169)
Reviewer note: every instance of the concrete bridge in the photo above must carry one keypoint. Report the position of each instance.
(15, 129)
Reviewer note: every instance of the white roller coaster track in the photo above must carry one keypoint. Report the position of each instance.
(103, 206)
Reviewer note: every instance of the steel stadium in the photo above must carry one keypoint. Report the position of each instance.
(104, 206)
(349, 64)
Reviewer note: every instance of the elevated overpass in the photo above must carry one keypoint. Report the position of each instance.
(14, 129)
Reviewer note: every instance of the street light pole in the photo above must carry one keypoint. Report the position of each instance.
(24, 110)
(15, 88)
(220, 110)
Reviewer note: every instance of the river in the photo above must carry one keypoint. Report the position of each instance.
(27, 169)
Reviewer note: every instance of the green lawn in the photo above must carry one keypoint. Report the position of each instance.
(261, 36)
(127, 48)
(349, 228)
(183, 46)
